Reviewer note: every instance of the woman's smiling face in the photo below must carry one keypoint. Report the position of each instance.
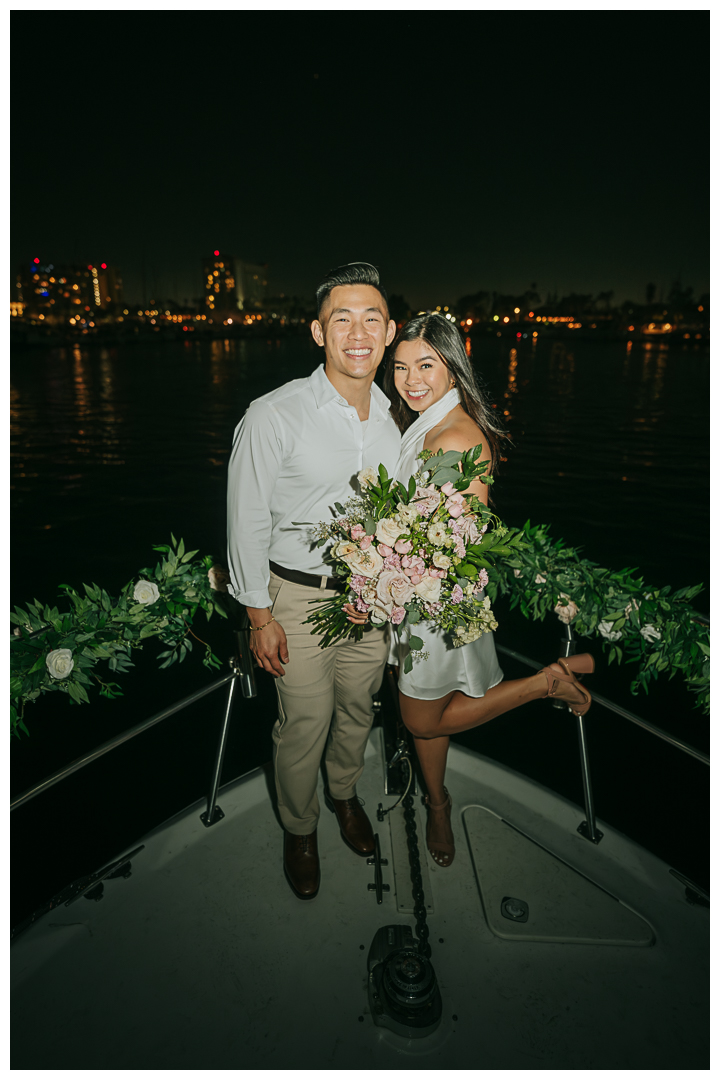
(421, 375)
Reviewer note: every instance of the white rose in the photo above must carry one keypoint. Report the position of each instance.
(342, 549)
(407, 514)
(437, 534)
(606, 629)
(650, 633)
(380, 611)
(218, 577)
(146, 592)
(443, 562)
(388, 530)
(394, 589)
(60, 663)
(367, 563)
(566, 612)
(429, 588)
(367, 478)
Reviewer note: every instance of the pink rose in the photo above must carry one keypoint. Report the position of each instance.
(466, 527)
(426, 499)
(365, 543)
(403, 546)
(357, 532)
(448, 489)
(455, 510)
(393, 589)
(398, 615)
(384, 550)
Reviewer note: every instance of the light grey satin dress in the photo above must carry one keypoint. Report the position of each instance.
(472, 668)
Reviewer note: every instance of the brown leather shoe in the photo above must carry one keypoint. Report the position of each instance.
(357, 832)
(302, 865)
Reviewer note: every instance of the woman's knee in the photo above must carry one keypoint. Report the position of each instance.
(421, 729)
(421, 719)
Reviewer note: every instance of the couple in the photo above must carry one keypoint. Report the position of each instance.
(295, 454)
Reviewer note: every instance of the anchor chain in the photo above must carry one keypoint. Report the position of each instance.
(419, 911)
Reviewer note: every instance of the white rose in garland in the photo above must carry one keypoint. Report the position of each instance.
(60, 663)
(606, 629)
(146, 592)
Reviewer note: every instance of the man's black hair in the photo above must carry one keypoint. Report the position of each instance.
(356, 273)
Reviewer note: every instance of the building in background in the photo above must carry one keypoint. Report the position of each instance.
(60, 291)
(231, 285)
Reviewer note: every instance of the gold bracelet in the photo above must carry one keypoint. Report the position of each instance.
(271, 619)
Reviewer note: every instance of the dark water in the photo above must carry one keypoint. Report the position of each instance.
(115, 448)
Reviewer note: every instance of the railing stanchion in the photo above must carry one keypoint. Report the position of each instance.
(213, 812)
(587, 828)
(247, 673)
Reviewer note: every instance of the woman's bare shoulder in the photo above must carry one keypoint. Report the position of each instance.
(459, 433)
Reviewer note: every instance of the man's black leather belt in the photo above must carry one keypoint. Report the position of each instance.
(313, 581)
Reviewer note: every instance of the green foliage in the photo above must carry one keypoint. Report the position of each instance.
(654, 628)
(97, 628)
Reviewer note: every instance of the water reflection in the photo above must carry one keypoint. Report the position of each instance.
(512, 387)
(163, 417)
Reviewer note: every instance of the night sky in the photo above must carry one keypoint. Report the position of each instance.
(458, 151)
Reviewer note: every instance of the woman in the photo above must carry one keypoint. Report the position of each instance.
(437, 404)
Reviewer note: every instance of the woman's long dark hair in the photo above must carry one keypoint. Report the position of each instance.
(448, 344)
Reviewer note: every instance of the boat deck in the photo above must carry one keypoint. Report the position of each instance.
(203, 958)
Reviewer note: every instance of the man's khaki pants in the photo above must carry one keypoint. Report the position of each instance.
(324, 697)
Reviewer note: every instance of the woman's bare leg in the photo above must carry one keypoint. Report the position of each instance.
(457, 712)
(432, 756)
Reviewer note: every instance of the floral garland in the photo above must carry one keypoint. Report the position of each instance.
(655, 628)
(54, 650)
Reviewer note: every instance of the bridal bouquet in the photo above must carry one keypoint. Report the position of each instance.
(415, 554)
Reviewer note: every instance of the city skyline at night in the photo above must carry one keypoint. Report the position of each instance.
(566, 151)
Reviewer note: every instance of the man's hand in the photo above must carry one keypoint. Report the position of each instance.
(269, 645)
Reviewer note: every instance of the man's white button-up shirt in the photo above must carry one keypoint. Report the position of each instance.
(295, 453)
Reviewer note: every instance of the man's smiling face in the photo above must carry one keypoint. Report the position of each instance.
(354, 329)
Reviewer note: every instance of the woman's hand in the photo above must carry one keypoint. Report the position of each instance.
(355, 616)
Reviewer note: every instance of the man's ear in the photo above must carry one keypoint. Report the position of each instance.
(391, 330)
(317, 332)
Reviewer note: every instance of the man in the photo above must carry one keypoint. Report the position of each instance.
(295, 454)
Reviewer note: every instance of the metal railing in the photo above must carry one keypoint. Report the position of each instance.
(241, 672)
(588, 828)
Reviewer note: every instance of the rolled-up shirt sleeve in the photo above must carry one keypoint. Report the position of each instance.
(255, 463)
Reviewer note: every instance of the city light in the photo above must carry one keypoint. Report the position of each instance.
(506, 319)
(531, 314)
(216, 252)
(103, 266)
(495, 318)
(36, 261)
(516, 310)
